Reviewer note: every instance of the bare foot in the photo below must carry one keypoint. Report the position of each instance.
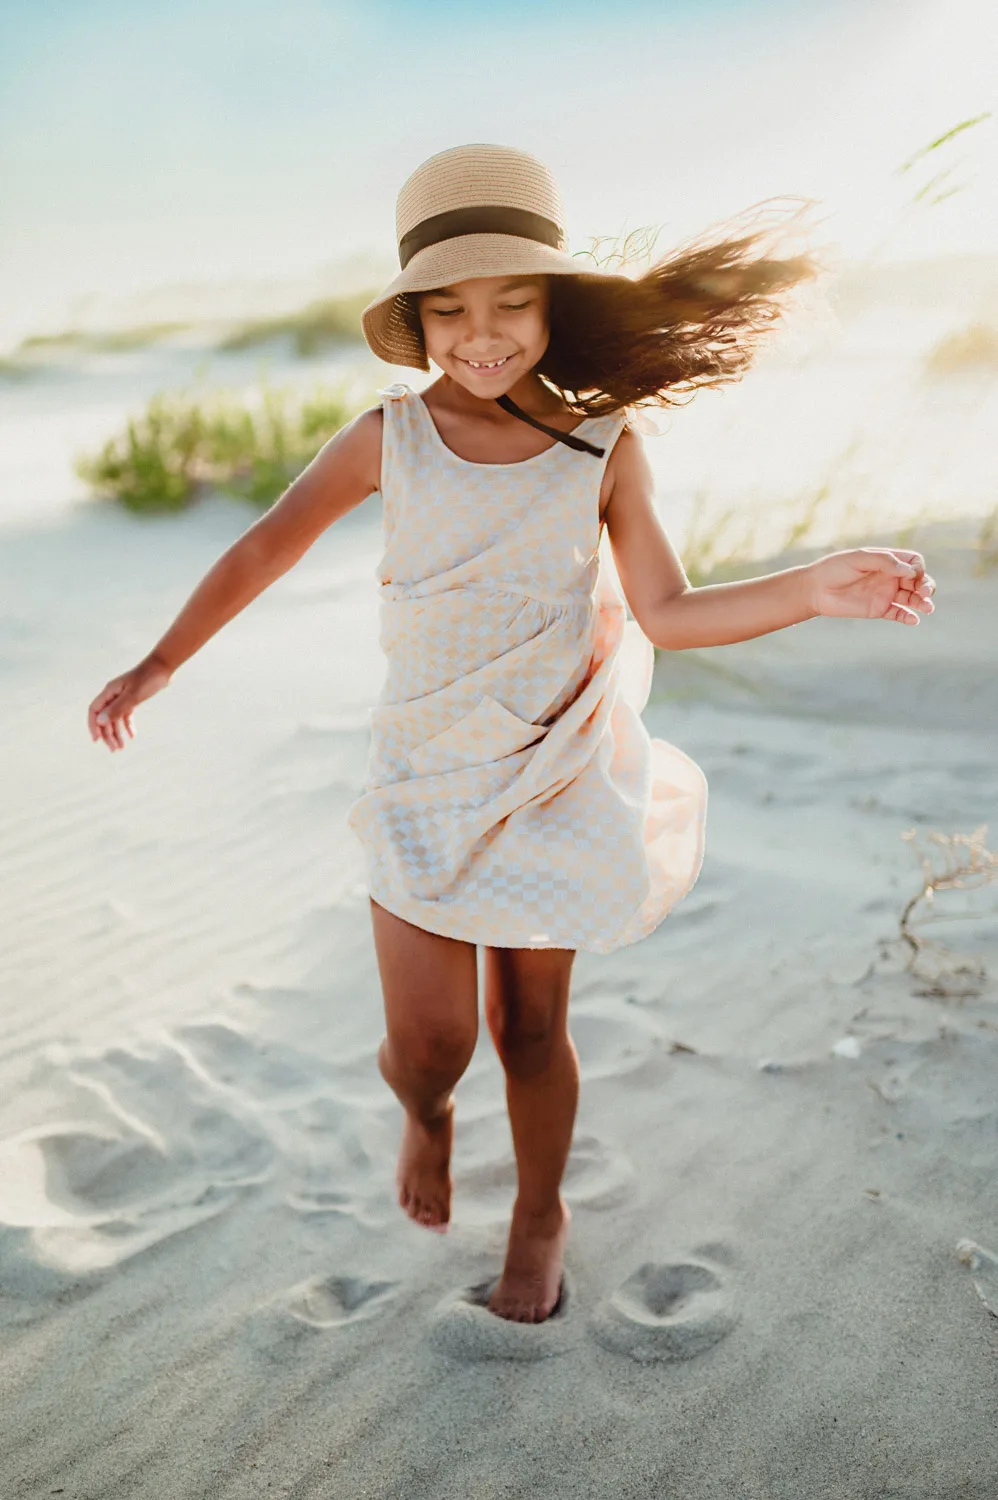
(530, 1284)
(423, 1175)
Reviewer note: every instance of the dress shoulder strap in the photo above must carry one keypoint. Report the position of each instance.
(604, 432)
(399, 440)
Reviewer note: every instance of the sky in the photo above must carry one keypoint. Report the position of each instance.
(210, 141)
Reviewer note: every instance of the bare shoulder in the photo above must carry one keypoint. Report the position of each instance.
(355, 451)
(627, 470)
(342, 474)
(628, 455)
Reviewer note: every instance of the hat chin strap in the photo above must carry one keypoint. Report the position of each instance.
(568, 438)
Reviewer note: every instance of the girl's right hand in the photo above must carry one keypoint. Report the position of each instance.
(113, 705)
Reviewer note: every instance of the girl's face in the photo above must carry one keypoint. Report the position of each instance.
(488, 332)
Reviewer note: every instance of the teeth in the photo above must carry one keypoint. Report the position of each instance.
(479, 365)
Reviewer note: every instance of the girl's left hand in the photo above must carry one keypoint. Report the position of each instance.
(872, 583)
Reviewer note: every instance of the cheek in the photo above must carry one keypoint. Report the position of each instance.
(442, 335)
(431, 334)
(534, 335)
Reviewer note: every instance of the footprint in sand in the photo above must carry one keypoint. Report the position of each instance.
(666, 1310)
(152, 1151)
(462, 1326)
(332, 1301)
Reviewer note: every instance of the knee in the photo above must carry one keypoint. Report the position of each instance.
(435, 1054)
(526, 1037)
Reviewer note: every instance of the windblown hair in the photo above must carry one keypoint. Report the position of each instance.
(693, 319)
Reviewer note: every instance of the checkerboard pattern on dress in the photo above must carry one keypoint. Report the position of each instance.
(513, 796)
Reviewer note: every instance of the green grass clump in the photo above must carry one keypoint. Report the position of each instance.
(335, 320)
(184, 445)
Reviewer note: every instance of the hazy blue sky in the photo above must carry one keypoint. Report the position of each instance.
(213, 139)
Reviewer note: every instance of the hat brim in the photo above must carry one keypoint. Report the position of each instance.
(392, 336)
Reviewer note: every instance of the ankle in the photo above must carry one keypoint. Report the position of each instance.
(541, 1214)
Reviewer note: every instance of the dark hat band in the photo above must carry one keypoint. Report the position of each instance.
(482, 220)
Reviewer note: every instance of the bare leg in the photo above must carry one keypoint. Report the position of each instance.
(430, 987)
(526, 1006)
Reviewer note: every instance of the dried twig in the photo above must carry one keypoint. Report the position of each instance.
(957, 861)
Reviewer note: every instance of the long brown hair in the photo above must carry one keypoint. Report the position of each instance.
(693, 319)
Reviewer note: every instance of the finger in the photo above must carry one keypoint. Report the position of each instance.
(884, 560)
(917, 598)
(902, 614)
(108, 729)
(121, 715)
(127, 721)
(108, 691)
(100, 705)
(915, 558)
(92, 716)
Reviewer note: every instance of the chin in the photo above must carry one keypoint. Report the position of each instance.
(486, 386)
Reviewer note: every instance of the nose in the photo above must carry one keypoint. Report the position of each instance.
(482, 329)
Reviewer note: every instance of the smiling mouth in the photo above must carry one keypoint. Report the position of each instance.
(487, 365)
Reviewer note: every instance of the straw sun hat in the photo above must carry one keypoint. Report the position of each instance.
(472, 211)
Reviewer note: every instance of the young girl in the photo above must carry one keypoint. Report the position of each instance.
(514, 799)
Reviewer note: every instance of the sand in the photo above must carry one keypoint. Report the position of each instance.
(782, 1279)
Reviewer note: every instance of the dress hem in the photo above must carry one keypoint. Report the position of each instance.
(580, 946)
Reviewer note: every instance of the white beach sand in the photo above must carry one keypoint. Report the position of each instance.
(206, 1288)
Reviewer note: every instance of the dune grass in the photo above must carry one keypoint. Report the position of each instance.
(969, 350)
(320, 325)
(723, 544)
(105, 341)
(323, 324)
(185, 444)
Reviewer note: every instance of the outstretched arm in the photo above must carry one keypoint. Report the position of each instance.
(343, 473)
(866, 582)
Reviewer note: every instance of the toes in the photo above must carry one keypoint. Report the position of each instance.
(521, 1312)
(427, 1213)
(436, 1217)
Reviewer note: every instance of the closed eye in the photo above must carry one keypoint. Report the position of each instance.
(452, 312)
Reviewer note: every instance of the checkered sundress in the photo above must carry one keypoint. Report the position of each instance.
(513, 796)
